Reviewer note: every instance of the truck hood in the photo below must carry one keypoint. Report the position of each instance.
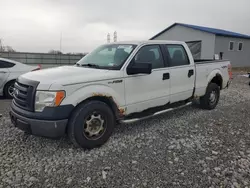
(66, 75)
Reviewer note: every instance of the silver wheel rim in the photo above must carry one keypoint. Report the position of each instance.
(94, 126)
(213, 97)
(11, 90)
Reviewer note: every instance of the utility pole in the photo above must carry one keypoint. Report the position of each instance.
(108, 38)
(115, 36)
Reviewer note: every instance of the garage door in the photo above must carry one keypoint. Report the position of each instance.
(195, 48)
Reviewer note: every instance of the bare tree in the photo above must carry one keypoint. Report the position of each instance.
(5, 48)
(55, 52)
(9, 49)
(1, 46)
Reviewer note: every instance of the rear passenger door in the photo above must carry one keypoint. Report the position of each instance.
(182, 73)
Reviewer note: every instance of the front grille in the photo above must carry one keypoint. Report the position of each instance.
(24, 94)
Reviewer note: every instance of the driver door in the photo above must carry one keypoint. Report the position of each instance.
(143, 91)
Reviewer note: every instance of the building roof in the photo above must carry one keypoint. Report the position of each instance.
(215, 31)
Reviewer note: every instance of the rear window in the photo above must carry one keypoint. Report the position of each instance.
(177, 55)
(5, 64)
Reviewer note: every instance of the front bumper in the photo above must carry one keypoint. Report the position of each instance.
(42, 126)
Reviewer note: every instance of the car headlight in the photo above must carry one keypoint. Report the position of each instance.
(48, 98)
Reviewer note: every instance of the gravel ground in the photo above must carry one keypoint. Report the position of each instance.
(185, 148)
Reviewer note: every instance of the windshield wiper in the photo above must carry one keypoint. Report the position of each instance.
(90, 65)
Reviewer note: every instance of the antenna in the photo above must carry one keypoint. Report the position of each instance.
(108, 38)
(115, 36)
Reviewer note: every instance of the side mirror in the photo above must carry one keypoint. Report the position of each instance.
(140, 68)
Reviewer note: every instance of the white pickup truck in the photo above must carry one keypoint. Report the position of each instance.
(116, 83)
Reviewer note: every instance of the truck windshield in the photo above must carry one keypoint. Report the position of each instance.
(109, 56)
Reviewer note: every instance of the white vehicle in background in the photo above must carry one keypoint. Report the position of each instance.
(10, 70)
(117, 82)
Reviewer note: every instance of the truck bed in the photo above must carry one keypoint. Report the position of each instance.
(207, 68)
(202, 61)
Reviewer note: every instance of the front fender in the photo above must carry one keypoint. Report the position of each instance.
(88, 91)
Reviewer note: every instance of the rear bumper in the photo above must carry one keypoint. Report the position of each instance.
(228, 83)
(39, 123)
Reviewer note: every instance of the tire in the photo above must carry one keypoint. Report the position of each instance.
(7, 88)
(86, 117)
(208, 101)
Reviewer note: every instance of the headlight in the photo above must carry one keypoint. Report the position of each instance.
(48, 98)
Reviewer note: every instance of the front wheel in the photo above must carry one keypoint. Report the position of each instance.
(211, 98)
(9, 90)
(91, 124)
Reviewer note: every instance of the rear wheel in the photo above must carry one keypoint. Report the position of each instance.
(9, 90)
(210, 100)
(91, 124)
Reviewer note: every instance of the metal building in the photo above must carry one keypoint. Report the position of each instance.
(205, 42)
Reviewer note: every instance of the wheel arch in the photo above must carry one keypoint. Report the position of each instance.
(216, 77)
(108, 100)
(98, 92)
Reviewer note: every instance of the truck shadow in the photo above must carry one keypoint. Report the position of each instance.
(154, 121)
(120, 131)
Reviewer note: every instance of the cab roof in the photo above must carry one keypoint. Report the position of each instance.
(149, 42)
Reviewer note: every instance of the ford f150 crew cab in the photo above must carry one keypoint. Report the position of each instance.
(117, 82)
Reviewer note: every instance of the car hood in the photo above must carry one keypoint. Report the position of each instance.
(67, 75)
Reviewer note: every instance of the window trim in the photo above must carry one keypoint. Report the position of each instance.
(239, 45)
(229, 45)
(161, 53)
(169, 58)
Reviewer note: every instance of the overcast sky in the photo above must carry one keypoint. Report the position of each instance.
(35, 25)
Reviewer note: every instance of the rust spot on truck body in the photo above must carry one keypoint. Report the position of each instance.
(120, 110)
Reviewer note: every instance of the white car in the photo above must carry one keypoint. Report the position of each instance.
(118, 82)
(10, 70)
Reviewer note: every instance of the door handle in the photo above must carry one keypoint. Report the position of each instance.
(3, 72)
(165, 76)
(190, 73)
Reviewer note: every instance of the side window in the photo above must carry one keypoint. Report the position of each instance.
(5, 64)
(240, 46)
(177, 55)
(150, 54)
(231, 46)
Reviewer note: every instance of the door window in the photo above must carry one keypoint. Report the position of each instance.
(4, 64)
(150, 54)
(177, 55)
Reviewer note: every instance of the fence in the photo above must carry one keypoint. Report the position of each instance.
(42, 58)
